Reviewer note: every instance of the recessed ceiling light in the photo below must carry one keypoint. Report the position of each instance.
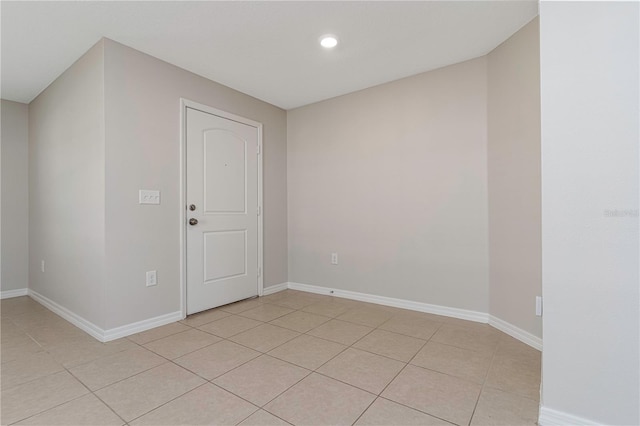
(328, 41)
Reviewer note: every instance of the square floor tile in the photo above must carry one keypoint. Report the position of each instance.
(15, 352)
(243, 305)
(320, 400)
(158, 333)
(515, 374)
(296, 301)
(266, 312)
(412, 325)
(326, 308)
(300, 321)
(262, 379)
(463, 363)
(263, 418)
(56, 333)
(508, 346)
(217, 359)
(437, 394)
(73, 353)
(36, 396)
(110, 369)
(140, 394)
(202, 318)
(229, 326)
(182, 343)
(362, 369)
(30, 367)
(500, 408)
(307, 351)
(384, 413)
(342, 332)
(270, 298)
(371, 317)
(264, 337)
(17, 340)
(86, 411)
(392, 345)
(467, 338)
(205, 405)
(43, 323)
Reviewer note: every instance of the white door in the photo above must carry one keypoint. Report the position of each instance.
(222, 210)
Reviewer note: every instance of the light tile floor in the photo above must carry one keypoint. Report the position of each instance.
(288, 358)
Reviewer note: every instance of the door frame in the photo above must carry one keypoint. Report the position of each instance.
(184, 104)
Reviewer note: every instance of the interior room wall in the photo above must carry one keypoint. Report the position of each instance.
(66, 189)
(394, 179)
(14, 152)
(143, 152)
(513, 163)
(590, 96)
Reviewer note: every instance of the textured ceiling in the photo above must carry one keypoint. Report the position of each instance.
(266, 49)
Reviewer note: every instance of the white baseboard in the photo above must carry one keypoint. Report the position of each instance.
(515, 332)
(274, 288)
(396, 303)
(140, 326)
(72, 317)
(551, 417)
(99, 333)
(510, 329)
(8, 294)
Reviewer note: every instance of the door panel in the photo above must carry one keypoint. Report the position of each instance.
(225, 174)
(222, 184)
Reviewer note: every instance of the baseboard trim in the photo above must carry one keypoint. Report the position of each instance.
(140, 326)
(274, 288)
(396, 303)
(8, 294)
(73, 318)
(550, 417)
(510, 329)
(99, 333)
(516, 332)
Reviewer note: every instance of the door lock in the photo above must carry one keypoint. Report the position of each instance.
(192, 207)
(193, 221)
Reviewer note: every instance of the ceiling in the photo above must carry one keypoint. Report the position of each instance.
(266, 49)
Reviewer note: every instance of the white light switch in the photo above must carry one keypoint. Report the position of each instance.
(148, 196)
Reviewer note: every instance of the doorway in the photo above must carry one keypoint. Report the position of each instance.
(221, 209)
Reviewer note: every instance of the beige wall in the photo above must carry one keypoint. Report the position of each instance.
(513, 157)
(143, 152)
(66, 189)
(14, 153)
(394, 179)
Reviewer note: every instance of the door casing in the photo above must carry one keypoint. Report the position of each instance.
(184, 103)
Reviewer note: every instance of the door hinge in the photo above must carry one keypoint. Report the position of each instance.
(259, 210)
(259, 271)
(258, 149)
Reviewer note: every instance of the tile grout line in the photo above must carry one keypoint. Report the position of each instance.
(484, 381)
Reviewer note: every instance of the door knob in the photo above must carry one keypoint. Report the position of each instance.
(193, 221)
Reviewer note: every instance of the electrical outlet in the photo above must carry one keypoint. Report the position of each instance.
(152, 278)
(539, 306)
(334, 258)
(42, 265)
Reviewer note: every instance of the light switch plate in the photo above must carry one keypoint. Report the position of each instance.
(148, 196)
